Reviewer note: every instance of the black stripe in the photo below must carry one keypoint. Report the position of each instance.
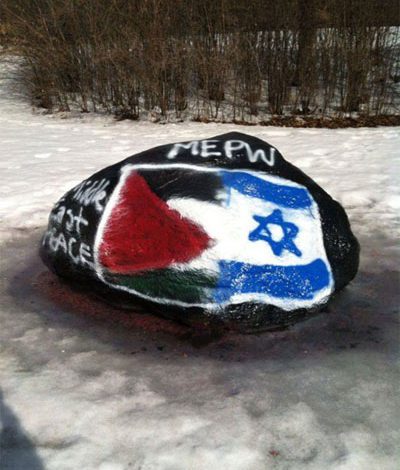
(173, 183)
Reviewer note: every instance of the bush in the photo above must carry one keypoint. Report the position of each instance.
(212, 58)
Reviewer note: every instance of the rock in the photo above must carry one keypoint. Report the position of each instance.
(221, 231)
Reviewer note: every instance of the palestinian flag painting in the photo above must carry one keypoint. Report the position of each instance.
(192, 235)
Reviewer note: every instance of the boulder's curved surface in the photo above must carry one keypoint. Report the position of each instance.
(220, 231)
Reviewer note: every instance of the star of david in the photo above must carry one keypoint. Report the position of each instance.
(288, 231)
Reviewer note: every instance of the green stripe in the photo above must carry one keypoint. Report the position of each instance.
(186, 286)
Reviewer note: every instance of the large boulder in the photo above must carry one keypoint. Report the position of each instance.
(222, 231)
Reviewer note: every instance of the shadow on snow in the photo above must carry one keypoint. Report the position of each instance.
(362, 316)
(17, 451)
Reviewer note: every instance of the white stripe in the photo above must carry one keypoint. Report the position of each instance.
(231, 223)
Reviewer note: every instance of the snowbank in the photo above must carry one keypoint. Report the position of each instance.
(87, 386)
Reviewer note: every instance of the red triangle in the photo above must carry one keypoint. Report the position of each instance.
(143, 233)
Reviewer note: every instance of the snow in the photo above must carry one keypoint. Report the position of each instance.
(86, 386)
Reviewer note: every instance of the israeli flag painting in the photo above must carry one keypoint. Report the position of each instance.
(267, 241)
(253, 238)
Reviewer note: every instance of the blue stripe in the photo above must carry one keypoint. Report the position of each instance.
(286, 282)
(286, 196)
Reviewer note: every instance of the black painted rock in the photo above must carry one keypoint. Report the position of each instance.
(221, 231)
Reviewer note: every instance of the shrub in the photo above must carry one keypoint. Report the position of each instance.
(211, 58)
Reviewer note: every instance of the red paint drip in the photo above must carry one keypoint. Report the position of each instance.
(143, 233)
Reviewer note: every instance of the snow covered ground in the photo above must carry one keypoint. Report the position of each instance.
(85, 386)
